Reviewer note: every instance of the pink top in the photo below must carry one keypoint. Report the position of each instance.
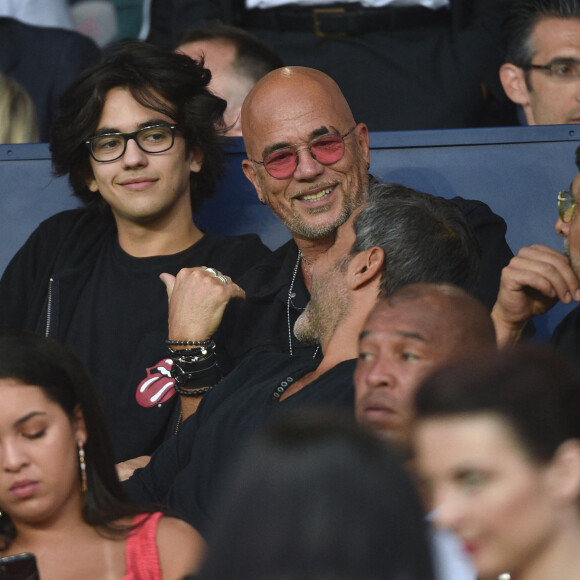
(141, 557)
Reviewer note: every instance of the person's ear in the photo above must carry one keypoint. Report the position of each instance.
(79, 425)
(362, 136)
(195, 160)
(92, 183)
(252, 177)
(513, 80)
(564, 473)
(366, 267)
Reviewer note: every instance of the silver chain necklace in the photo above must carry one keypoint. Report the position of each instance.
(291, 294)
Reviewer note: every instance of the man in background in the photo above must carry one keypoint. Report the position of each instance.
(541, 72)
(237, 61)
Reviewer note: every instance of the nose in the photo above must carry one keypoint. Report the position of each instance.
(380, 375)
(562, 228)
(307, 168)
(13, 457)
(446, 510)
(134, 155)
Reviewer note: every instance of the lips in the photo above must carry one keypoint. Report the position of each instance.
(470, 547)
(316, 196)
(137, 183)
(24, 489)
(157, 387)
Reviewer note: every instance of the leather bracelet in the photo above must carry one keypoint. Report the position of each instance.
(194, 372)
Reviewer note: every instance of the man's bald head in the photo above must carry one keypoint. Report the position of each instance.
(290, 93)
(285, 112)
(408, 334)
(462, 319)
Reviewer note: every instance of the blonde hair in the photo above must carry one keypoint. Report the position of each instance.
(17, 113)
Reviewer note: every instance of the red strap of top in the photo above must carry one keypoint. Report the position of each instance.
(141, 557)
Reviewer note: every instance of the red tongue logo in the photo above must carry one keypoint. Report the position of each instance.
(157, 387)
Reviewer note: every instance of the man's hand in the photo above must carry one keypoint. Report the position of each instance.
(531, 284)
(197, 300)
(125, 469)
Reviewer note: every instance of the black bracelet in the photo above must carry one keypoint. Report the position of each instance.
(200, 351)
(195, 372)
(192, 392)
(189, 342)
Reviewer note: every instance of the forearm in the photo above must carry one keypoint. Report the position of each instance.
(508, 333)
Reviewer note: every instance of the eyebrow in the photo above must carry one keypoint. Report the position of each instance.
(144, 125)
(324, 130)
(29, 416)
(402, 333)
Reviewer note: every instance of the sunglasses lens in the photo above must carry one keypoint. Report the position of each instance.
(281, 163)
(328, 149)
(566, 206)
(568, 212)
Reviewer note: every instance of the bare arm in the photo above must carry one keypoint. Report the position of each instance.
(531, 284)
(181, 548)
(125, 469)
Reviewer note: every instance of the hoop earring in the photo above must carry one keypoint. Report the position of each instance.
(83, 466)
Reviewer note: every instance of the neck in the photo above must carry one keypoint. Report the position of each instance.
(560, 559)
(342, 342)
(313, 249)
(143, 240)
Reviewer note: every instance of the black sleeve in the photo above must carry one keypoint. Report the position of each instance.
(152, 484)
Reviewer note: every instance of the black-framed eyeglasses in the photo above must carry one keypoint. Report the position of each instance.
(112, 146)
(560, 69)
(567, 206)
(326, 149)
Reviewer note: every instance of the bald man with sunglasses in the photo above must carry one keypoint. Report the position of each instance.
(538, 277)
(308, 160)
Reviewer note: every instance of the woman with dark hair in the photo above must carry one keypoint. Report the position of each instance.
(316, 497)
(59, 494)
(497, 441)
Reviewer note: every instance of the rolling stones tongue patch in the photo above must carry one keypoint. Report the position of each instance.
(157, 387)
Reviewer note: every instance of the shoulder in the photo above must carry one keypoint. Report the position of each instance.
(476, 212)
(73, 224)
(241, 242)
(180, 547)
(234, 255)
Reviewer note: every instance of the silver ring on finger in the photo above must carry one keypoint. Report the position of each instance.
(223, 279)
(213, 272)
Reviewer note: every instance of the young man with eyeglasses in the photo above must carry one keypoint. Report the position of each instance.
(541, 72)
(138, 135)
(538, 277)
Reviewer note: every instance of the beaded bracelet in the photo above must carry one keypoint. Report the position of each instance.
(189, 342)
(200, 351)
(192, 392)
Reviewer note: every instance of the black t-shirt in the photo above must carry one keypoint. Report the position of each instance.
(119, 326)
(185, 472)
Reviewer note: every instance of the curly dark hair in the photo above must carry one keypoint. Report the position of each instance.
(163, 81)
